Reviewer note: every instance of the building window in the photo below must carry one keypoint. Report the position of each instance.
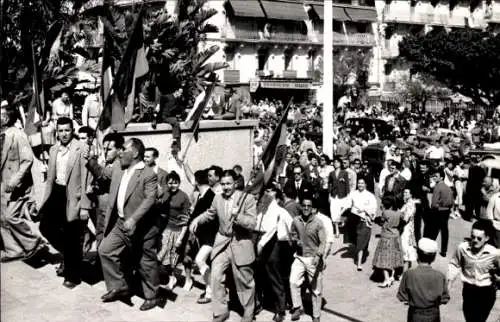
(337, 26)
(263, 56)
(288, 59)
(361, 27)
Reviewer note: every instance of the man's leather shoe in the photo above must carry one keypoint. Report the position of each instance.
(115, 295)
(70, 284)
(149, 304)
(296, 313)
(279, 317)
(221, 318)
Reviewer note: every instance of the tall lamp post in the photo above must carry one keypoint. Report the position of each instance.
(328, 78)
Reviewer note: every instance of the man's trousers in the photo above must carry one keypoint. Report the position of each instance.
(18, 237)
(141, 251)
(301, 267)
(65, 236)
(243, 280)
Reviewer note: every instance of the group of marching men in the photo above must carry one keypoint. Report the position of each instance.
(138, 210)
(263, 251)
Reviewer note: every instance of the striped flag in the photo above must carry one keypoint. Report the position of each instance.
(119, 106)
(37, 106)
(107, 68)
(197, 111)
(273, 157)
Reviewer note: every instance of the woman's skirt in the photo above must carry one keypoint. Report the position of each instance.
(337, 208)
(363, 234)
(168, 255)
(388, 254)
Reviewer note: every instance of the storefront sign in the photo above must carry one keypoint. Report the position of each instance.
(254, 85)
(286, 85)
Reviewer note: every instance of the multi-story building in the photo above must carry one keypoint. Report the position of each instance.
(275, 47)
(402, 17)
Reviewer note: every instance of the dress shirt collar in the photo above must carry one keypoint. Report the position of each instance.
(138, 166)
(487, 249)
(155, 168)
(65, 148)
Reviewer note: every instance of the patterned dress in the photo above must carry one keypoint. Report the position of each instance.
(408, 242)
(389, 254)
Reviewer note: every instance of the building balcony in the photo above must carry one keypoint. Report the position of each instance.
(264, 73)
(410, 16)
(231, 76)
(237, 34)
(356, 39)
(289, 73)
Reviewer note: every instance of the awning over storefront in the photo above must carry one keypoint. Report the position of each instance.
(247, 8)
(362, 14)
(284, 11)
(338, 13)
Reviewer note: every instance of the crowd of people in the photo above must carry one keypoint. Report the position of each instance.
(268, 250)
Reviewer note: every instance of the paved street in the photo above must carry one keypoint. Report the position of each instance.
(36, 294)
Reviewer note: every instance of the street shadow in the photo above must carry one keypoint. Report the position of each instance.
(341, 315)
(44, 258)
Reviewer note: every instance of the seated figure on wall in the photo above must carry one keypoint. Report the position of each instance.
(229, 108)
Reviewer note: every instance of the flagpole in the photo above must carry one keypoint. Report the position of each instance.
(36, 93)
(191, 139)
(244, 196)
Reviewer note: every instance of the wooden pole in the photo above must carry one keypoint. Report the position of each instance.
(328, 78)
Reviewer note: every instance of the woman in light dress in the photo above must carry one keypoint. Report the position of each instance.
(408, 242)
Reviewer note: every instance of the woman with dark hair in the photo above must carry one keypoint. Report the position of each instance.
(175, 203)
(389, 255)
(408, 242)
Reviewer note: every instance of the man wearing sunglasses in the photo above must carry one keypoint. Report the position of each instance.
(479, 265)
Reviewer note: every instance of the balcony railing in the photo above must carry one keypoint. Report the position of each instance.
(264, 73)
(339, 39)
(289, 74)
(231, 75)
(244, 34)
(410, 16)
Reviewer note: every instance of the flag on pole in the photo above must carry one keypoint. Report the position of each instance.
(107, 68)
(119, 106)
(273, 157)
(37, 106)
(197, 111)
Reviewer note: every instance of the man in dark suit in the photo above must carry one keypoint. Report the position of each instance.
(18, 238)
(112, 144)
(170, 107)
(65, 208)
(472, 196)
(130, 226)
(339, 187)
(150, 156)
(301, 186)
(233, 247)
(395, 184)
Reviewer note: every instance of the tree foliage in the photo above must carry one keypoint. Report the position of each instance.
(172, 41)
(465, 60)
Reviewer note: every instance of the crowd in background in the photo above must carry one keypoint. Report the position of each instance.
(278, 241)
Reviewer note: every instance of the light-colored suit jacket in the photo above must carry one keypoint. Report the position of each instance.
(76, 180)
(237, 235)
(16, 162)
(139, 198)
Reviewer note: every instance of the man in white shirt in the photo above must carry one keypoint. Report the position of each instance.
(493, 214)
(132, 196)
(273, 248)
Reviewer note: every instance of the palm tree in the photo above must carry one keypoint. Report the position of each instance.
(174, 54)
